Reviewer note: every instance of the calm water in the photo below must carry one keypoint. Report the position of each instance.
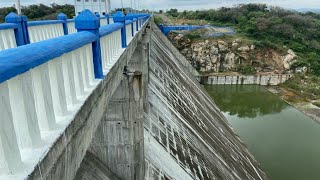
(282, 139)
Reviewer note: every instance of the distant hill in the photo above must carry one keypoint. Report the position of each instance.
(304, 10)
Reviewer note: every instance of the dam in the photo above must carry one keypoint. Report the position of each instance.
(115, 101)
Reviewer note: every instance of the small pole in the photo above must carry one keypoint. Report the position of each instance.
(18, 7)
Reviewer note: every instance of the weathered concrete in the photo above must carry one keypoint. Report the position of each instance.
(186, 136)
(118, 142)
(63, 160)
(92, 168)
(150, 120)
(263, 80)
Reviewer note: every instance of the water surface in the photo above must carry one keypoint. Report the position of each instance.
(284, 141)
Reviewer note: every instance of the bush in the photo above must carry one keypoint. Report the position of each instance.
(246, 69)
(316, 104)
(158, 20)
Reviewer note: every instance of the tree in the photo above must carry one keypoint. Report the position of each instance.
(173, 12)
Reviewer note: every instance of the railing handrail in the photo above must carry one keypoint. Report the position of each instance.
(44, 83)
(24, 58)
(4, 26)
(110, 28)
(70, 20)
(129, 22)
(45, 22)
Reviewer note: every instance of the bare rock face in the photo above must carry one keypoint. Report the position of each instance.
(214, 50)
(235, 44)
(230, 59)
(214, 59)
(244, 49)
(223, 46)
(288, 60)
(221, 56)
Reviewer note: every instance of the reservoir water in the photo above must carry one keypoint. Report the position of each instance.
(284, 141)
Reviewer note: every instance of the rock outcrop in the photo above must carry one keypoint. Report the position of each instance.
(214, 55)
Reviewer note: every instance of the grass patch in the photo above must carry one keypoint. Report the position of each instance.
(158, 20)
(306, 87)
(316, 104)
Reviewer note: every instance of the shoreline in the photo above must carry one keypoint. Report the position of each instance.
(306, 108)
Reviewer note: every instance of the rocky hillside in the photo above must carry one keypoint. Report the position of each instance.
(232, 55)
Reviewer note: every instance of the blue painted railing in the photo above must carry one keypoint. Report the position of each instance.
(8, 36)
(167, 28)
(26, 32)
(43, 84)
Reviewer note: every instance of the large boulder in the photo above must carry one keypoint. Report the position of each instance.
(244, 49)
(288, 60)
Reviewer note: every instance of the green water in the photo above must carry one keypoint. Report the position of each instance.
(284, 141)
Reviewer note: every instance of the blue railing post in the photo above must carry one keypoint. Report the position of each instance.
(87, 21)
(108, 18)
(136, 19)
(14, 18)
(63, 18)
(130, 17)
(140, 20)
(119, 17)
(25, 29)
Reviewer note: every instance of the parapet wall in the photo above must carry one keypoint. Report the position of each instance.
(264, 80)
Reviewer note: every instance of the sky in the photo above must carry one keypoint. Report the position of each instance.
(184, 4)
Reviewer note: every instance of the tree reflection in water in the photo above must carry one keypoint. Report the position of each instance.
(245, 100)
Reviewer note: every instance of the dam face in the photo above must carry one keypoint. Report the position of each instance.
(162, 124)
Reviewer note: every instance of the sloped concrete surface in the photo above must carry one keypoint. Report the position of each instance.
(92, 168)
(186, 136)
(166, 126)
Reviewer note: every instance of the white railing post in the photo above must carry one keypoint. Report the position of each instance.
(30, 108)
(58, 89)
(46, 105)
(9, 152)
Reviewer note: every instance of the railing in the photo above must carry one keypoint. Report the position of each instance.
(110, 37)
(103, 21)
(44, 84)
(7, 36)
(43, 30)
(34, 31)
(71, 27)
(129, 31)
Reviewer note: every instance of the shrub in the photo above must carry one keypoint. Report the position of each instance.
(246, 69)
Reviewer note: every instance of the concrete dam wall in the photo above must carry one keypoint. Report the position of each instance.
(186, 136)
(263, 80)
(160, 123)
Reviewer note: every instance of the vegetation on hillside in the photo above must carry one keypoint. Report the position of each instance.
(40, 11)
(307, 85)
(269, 27)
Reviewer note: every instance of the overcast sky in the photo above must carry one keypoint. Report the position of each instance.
(184, 4)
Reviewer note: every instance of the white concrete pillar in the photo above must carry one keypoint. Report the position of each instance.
(9, 152)
(77, 73)
(57, 87)
(24, 111)
(84, 68)
(30, 108)
(50, 121)
(71, 78)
